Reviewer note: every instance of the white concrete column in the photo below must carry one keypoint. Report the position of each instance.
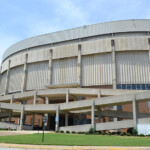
(113, 63)
(99, 94)
(24, 76)
(46, 100)
(7, 78)
(12, 99)
(67, 95)
(50, 67)
(66, 118)
(57, 118)
(79, 67)
(93, 115)
(135, 111)
(149, 47)
(35, 97)
(21, 118)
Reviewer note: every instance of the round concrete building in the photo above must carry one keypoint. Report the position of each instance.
(99, 61)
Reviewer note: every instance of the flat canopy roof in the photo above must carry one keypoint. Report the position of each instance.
(80, 32)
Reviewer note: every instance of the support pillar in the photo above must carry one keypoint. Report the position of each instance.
(35, 97)
(79, 65)
(12, 99)
(99, 94)
(24, 76)
(66, 118)
(67, 95)
(50, 67)
(46, 100)
(21, 118)
(7, 78)
(135, 112)
(57, 118)
(93, 115)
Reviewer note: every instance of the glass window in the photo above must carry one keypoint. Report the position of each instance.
(133, 86)
(129, 87)
(119, 107)
(124, 86)
(111, 119)
(149, 104)
(119, 86)
(138, 87)
(143, 86)
(148, 86)
(110, 107)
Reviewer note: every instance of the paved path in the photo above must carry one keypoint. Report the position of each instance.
(38, 147)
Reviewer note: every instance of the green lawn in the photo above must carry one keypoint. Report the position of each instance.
(80, 140)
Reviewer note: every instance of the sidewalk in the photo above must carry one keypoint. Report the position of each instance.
(52, 147)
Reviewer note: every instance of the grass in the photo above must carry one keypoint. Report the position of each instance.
(78, 140)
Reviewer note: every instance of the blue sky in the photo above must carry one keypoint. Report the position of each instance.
(20, 19)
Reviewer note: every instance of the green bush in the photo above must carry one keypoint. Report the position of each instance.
(97, 133)
(128, 134)
(67, 131)
(57, 131)
(148, 135)
(61, 131)
(121, 134)
(103, 133)
(86, 133)
(73, 132)
(79, 132)
(91, 131)
(134, 132)
(109, 133)
(141, 135)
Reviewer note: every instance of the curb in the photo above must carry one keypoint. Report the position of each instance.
(53, 147)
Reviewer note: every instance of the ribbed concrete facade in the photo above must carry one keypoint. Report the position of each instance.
(113, 54)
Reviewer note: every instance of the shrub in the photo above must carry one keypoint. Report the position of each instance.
(148, 135)
(57, 131)
(61, 131)
(97, 133)
(86, 133)
(67, 131)
(73, 132)
(91, 131)
(134, 132)
(141, 135)
(121, 134)
(79, 132)
(109, 133)
(103, 133)
(128, 134)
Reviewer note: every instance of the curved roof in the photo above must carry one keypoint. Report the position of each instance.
(80, 32)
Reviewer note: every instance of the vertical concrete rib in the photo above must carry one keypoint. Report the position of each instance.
(24, 76)
(93, 115)
(50, 67)
(12, 99)
(21, 117)
(35, 97)
(79, 67)
(135, 111)
(99, 94)
(57, 118)
(7, 78)
(67, 95)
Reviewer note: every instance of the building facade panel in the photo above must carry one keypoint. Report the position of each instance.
(131, 43)
(15, 79)
(133, 67)
(97, 70)
(37, 75)
(3, 82)
(64, 71)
